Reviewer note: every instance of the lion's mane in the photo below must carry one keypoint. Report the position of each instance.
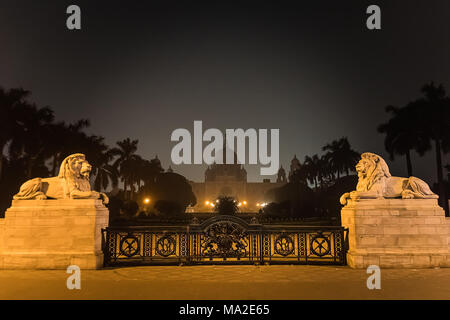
(376, 170)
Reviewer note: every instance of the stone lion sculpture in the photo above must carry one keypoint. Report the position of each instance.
(375, 181)
(72, 182)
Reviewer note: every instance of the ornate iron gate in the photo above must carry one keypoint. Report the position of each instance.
(225, 240)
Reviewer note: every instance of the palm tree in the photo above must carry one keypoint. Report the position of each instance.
(10, 100)
(435, 113)
(150, 170)
(312, 167)
(56, 143)
(135, 169)
(340, 156)
(325, 171)
(31, 135)
(126, 153)
(300, 175)
(404, 134)
(105, 173)
(66, 139)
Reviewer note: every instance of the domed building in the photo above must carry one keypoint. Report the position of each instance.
(231, 180)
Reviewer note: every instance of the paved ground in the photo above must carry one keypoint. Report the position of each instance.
(226, 282)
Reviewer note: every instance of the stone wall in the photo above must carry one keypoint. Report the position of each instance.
(52, 234)
(397, 233)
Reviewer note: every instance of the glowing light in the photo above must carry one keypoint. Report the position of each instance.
(239, 204)
(212, 204)
(217, 200)
(244, 202)
(257, 204)
(146, 200)
(207, 202)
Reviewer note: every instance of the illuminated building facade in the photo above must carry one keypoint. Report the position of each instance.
(231, 180)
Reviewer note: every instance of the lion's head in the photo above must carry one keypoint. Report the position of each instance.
(371, 168)
(75, 166)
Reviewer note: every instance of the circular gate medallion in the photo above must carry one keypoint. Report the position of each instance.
(129, 246)
(320, 245)
(284, 245)
(165, 246)
(224, 239)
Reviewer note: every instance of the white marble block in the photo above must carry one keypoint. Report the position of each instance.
(53, 234)
(396, 233)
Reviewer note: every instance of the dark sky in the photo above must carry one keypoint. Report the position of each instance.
(141, 69)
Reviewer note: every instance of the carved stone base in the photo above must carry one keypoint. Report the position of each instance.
(396, 233)
(52, 234)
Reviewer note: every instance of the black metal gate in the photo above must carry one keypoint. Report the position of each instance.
(225, 240)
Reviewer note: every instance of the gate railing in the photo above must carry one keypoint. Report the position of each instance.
(225, 240)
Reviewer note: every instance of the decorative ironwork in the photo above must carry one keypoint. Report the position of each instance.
(129, 245)
(183, 245)
(320, 245)
(302, 245)
(165, 246)
(147, 244)
(225, 239)
(266, 245)
(284, 245)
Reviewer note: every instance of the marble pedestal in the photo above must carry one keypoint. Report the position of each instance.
(397, 233)
(52, 234)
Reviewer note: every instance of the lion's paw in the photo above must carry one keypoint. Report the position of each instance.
(344, 198)
(407, 195)
(41, 197)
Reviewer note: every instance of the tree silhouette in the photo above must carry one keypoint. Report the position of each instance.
(340, 156)
(226, 205)
(436, 125)
(37, 145)
(102, 169)
(149, 171)
(10, 101)
(404, 133)
(66, 139)
(172, 189)
(419, 124)
(312, 168)
(125, 151)
(31, 135)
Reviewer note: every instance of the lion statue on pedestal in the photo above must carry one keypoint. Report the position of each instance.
(72, 182)
(375, 181)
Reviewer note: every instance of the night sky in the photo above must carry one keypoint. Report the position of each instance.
(141, 69)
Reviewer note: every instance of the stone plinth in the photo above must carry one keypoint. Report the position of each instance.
(396, 233)
(52, 234)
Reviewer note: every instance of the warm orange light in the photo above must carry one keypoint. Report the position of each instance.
(212, 204)
(239, 204)
(257, 204)
(244, 202)
(146, 200)
(207, 202)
